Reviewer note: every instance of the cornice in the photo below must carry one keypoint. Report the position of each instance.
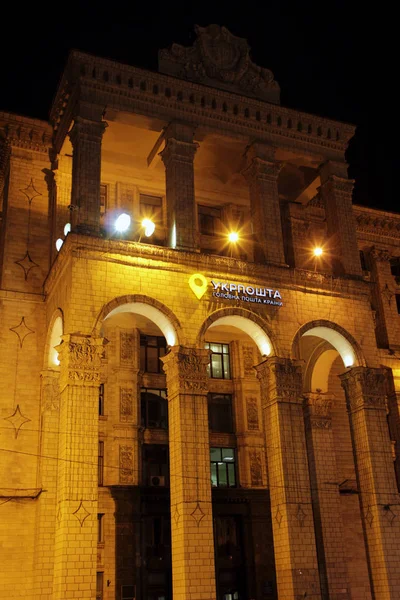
(135, 254)
(24, 132)
(129, 88)
(374, 224)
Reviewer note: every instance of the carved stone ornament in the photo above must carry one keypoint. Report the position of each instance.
(82, 357)
(256, 468)
(248, 361)
(50, 393)
(281, 380)
(380, 254)
(365, 388)
(127, 346)
(252, 414)
(318, 410)
(220, 59)
(126, 404)
(186, 370)
(126, 464)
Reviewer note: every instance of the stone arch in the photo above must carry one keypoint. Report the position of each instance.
(154, 310)
(318, 367)
(246, 321)
(55, 331)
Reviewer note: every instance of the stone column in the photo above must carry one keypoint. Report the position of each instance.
(383, 290)
(380, 502)
(325, 496)
(292, 516)
(77, 478)
(86, 137)
(336, 191)
(193, 571)
(178, 157)
(262, 175)
(47, 480)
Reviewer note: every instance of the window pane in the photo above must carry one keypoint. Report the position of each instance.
(227, 371)
(216, 366)
(225, 348)
(222, 478)
(231, 475)
(215, 454)
(228, 454)
(142, 358)
(152, 360)
(215, 347)
(214, 480)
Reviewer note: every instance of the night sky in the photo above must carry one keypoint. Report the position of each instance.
(337, 59)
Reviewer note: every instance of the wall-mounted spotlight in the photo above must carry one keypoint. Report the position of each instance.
(318, 251)
(67, 228)
(59, 243)
(233, 236)
(148, 226)
(122, 223)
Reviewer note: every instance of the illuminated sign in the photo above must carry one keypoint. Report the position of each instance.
(234, 291)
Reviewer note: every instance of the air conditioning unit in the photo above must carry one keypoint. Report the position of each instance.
(157, 481)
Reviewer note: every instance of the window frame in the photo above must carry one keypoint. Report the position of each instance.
(221, 462)
(101, 400)
(100, 528)
(210, 368)
(161, 344)
(100, 464)
(144, 415)
(214, 399)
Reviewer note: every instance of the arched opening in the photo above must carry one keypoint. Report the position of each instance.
(54, 339)
(134, 438)
(238, 340)
(327, 351)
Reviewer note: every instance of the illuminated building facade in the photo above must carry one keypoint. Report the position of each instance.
(185, 415)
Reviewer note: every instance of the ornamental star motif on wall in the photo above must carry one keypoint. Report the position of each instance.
(81, 513)
(31, 192)
(26, 264)
(22, 331)
(17, 419)
(197, 514)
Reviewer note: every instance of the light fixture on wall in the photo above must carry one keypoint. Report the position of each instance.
(122, 223)
(59, 243)
(148, 226)
(318, 251)
(67, 228)
(233, 237)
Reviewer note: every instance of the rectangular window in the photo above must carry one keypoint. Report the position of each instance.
(209, 220)
(154, 408)
(101, 399)
(152, 348)
(100, 531)
(398, 303)
(127, 592)
(223, 467)
(219, 367)
(99, 585)
(155, 465)
(103, 198)
(151, 208)
(101, 463)
(220, 413)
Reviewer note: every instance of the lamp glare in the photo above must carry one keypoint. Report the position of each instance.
(233, 236)
(122, 223)
(67, 228)
(59, 243)
(318, 251)
(148, 227)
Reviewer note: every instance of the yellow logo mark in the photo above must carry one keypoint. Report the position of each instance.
(198, 284)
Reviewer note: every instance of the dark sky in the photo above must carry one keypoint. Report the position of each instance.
(337, 59)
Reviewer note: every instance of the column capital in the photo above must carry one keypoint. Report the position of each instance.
(186, 370)
(380, 254)
(281, 380)
(365, 388)
(87, 128)
(80, 358)
(181, 151)
(261, 163)
(318, 410)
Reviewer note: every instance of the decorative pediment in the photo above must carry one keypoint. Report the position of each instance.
(222, 60)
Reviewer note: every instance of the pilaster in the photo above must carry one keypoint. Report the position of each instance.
(325, 496)
(178, 157)
(86, 138)
(336, 191)
(365, 390)
(262, 175)
(193, 572)
(291, 506)
(384, 299)
(77, 483)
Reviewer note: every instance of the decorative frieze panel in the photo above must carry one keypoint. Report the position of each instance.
(127, 347)
(126, 464)
(318, 409)
(256, 471)
(252, 414)
(248, 361)
(126, 404)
